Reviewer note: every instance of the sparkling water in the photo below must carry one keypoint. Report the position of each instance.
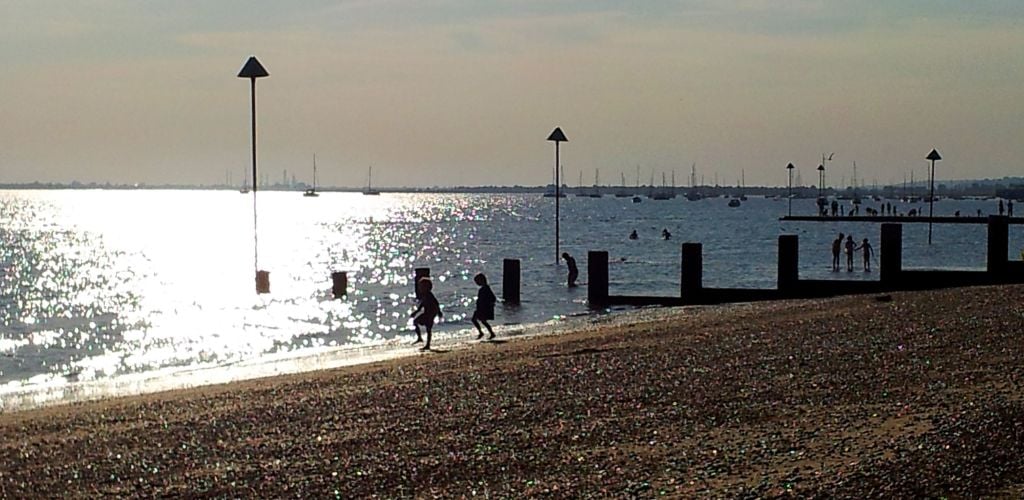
(108, 286)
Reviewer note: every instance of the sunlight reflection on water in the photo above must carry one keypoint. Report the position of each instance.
(103, 283)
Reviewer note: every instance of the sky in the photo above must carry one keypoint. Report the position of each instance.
(465, 92)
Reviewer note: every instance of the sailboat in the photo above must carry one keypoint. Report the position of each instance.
(622, 192)
(369, 191)
(245, 182)
(596, 193)
(311, 192)
(693, 194)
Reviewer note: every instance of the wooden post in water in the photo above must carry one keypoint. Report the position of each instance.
(262, 281)
(789, 263)
(510, 281)
(891, 254)
(691, 276)
(419, 272)
(597, 279)
(339, 284)
(998, 244)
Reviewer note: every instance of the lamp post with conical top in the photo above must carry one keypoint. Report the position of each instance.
(933, 156)
(253, 70)
(789, 192)
(557, 136)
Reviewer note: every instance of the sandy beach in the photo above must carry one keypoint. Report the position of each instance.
(889, 396)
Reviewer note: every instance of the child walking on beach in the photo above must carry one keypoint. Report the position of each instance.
(485, 301)
(427, 309)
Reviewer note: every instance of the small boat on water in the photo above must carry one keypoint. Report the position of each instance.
(369, 191)
(311, 192)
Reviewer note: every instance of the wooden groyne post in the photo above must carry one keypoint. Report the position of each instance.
(998, 244)
(597, 279)
(789, 263)
(339, 284)
(510, 281)
(691, 276)
(891, 254)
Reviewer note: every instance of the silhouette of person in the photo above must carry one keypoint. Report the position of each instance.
(849, 253)
(427, 309)
(632, 235)
(868, 252)
(574, 272)
(1009, 208)
(485, 301)
(665, 235)
(1001, 209)
(837, 245)
(835, 208)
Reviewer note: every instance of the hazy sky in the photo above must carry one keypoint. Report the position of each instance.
(442, 92)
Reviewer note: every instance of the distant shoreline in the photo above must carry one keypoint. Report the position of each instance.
(1008, 188)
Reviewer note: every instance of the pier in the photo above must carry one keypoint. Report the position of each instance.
(892, 276)
(901, 219)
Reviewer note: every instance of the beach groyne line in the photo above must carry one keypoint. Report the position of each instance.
(892, 276)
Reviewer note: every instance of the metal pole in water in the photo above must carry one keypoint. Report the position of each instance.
(789, 192)
(253, 70)
(934, 155)
(557, 136)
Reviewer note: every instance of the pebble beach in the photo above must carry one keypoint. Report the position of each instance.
(902, 395)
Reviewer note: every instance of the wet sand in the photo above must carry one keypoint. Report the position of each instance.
(894, 396)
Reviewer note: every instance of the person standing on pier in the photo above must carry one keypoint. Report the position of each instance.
(837, 245)
(1001, 207)
(850, 246)
(574, 272)
(485, 301)
(868, 253)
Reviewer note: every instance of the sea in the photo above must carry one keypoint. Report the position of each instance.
(113, 292)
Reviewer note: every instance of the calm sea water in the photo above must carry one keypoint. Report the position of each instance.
(102, 287)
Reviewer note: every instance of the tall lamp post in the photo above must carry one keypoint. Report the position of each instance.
(253, 70)
(933, 156)
(789, 192)
(557, 136)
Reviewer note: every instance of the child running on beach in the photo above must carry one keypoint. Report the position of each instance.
(485, 301)
(429, 307)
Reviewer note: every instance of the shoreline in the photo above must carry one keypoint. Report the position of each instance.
(900, 395)
(17, 398)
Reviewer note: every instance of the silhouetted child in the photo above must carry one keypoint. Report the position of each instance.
(868, 252)
(837, 246)
(850, 246)
(485, 301)
(427, 309)
(665, 235)
(574, 272)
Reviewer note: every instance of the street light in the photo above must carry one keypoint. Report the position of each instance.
(557, 137)
(933, 156)
(789, 192)
(253, 70)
